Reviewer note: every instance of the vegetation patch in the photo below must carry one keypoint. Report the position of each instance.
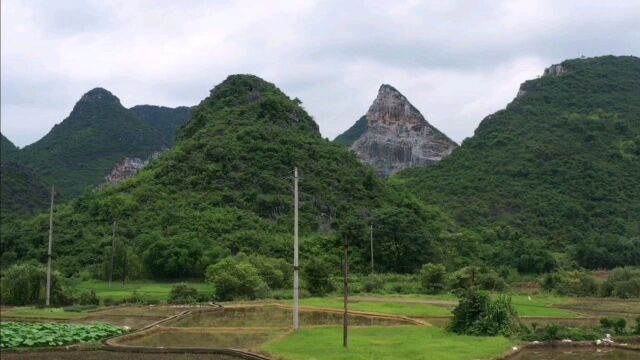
(15, 335)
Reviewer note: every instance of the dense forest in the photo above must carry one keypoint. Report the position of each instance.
(558, 169)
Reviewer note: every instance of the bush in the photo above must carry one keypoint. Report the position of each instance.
(637, 331)
(317, 275)
(372, 283)
(573, 283)
(87, 298)
(26, 284)
(236, 279)
(617, 326)
(183, 294)
(472, 276)
(623, 283)
(554, 332)
(477, 314)
(277, 273)
(433, 277)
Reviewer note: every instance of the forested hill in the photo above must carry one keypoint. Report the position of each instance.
(560, 166)
(84, 147)
(352, 134)
(226, 187)
(163, 118)
(7, 148)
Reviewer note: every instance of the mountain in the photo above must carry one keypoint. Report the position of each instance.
(99, 133)
(352, 134)
(559, 166)
(165, 119)
(396, 136)
(7, 148)
(227, 187)
(23, 192)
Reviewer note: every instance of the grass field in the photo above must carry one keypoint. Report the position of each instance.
(148, 290)
(42, 313)
(407, 343)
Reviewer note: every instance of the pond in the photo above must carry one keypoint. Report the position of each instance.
(577, 354)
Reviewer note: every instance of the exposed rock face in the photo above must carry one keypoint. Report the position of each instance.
(128, 168)
(398, 136)
(555, 70)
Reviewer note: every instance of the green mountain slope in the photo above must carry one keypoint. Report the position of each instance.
(23, 192)
(82, 149)
(352, 134)
(165, 119)
(226, 187)
(7, 148)
(560, 165)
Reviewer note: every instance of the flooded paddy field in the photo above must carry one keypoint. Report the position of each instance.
(245, 327)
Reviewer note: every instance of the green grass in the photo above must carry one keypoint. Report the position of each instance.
(149, 290)
(407, 343)
(42, 313)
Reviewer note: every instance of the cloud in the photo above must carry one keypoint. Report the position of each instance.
(456, 61)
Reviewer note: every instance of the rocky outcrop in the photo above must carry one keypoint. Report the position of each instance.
(555, 70)
(128, 168)
(397, 136)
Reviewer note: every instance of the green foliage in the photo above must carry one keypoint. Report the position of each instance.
(555, 332)
(23, 191)
(17, 335)
(557, 165)
(165, 119)
(637, 330)
(226, 188)
(236, 278)
(87, 298)
(623, 283)
(25, 284)
(574, 283)
(316, 273)
(352, 134)
(433, 278)
(373, 283)
(478, 314)
(473, 276)
(183, 294)
(616, 326)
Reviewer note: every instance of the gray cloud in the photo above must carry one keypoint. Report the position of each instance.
(457, 61)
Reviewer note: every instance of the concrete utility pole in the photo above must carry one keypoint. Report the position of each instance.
(113, 252)
(49, 251)
(345, 330)
(371, 237)
(296, 305)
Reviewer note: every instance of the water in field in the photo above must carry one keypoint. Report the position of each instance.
(273, 316)
(577, 354)
(219, 339)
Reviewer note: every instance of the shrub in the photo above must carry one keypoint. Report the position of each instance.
(277, 273)
(183, 294)
(637, 331)
(25, 284)
(616, 326)
(473, 276)
(373, 283)
(317, 275)
(433, 277)
(574, 283)
(87, 298)
(477, 314)
(236, 279)
(623, 283)
(555, 332)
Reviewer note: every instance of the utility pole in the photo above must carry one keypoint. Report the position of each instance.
(296, 305)
(371, 237)
(345, 330)
(113, 251)
(49, 251)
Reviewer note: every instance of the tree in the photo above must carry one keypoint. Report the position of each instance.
(317, 275)
(235, 278)
(433, 278)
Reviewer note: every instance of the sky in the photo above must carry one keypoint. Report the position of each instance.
(456, 61)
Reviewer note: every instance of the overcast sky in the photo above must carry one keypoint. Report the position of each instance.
(456, 61)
